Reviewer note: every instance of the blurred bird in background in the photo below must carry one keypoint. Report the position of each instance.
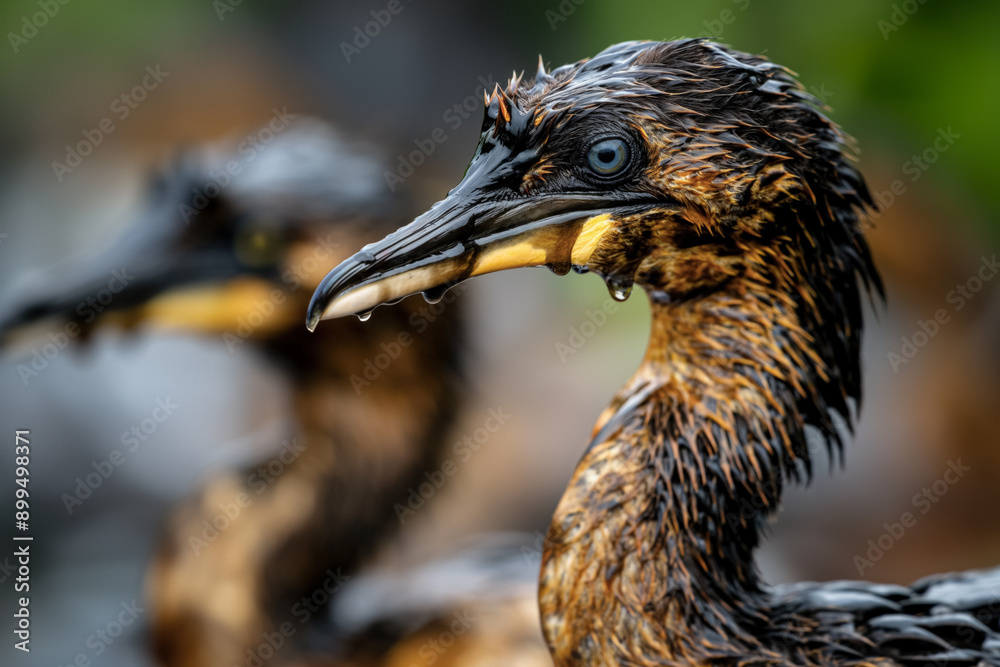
(235, 256)
(261, 550)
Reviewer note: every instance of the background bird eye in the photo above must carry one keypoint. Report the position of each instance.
(608, 157)
(258, 244)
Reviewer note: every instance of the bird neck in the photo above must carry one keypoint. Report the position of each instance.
(665, 508)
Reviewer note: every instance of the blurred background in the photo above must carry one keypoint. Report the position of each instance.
(915, 83)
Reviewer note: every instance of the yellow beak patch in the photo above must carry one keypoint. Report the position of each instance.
(591, 233)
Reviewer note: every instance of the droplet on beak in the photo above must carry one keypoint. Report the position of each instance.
(435, 294)
(559, 268)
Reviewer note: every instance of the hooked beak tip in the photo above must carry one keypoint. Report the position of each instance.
(313, 316)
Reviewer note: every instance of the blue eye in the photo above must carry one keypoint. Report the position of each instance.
(608, 157)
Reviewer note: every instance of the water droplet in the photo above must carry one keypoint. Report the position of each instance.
(620, 287)
(559, 268)
(365, 315)
(434, 294)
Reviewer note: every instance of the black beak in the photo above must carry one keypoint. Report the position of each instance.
(483, 226)
(456, 239)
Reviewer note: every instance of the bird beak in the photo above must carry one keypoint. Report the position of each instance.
(150, 275)
(471, 232)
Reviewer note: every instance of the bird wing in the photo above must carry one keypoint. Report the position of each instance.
(947, 620)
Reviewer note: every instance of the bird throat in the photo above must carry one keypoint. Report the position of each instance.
(651, 547)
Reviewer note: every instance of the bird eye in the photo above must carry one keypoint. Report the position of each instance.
(258, 245)
(608, 157)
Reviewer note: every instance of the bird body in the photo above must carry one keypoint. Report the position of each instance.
(710, 178)
(307, 517)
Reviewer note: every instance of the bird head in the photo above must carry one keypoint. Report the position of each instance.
(224, 243)
(685, 167)
(674, 165)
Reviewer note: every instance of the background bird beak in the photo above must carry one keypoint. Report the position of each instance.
(150, 269)
(469, 233)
